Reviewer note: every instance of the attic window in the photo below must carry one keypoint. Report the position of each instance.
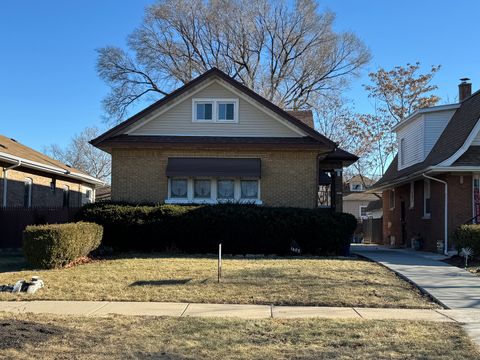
(203, 111)
(215, 110)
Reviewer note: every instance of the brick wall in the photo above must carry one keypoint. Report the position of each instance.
(429, 229)
(288, 178)
(42, 195)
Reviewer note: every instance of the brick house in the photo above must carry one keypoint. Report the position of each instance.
(432, 185)
(215, 140)
(29, 178)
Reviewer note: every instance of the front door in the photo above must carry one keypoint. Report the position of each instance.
(403, 222)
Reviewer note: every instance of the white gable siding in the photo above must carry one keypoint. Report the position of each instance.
(253, 122)
(413, 133)
(435, 123)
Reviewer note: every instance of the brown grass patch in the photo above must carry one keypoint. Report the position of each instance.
(121, 337)
(282, 281)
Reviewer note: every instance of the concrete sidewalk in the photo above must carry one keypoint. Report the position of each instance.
(455, 288)
(103, 308)
(451, 286)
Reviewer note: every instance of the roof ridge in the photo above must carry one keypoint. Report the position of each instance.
(241, 87)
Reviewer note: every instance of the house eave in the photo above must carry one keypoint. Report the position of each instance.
(431, 170)
(419, 112)
(50, 169)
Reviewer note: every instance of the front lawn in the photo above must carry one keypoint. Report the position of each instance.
(282, 281)
(120, 337)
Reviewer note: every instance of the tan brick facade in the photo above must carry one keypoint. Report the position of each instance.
(42, 194)
(430, 229)
(289, 178)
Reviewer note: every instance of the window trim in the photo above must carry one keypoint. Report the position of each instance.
(215, 102)
(190, 199)
(427, 185)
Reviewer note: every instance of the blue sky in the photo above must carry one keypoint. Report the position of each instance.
(49, 89)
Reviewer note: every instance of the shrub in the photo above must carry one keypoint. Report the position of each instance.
(242, 229)
(56, 245)
(468, 236)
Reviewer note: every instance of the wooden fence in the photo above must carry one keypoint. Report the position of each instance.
(14, 220)
(373, 231)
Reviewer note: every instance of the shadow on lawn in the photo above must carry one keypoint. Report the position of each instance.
(160, 282)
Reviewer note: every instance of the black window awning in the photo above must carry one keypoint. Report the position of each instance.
(244, 167)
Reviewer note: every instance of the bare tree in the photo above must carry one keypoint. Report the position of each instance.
(286, 52)
(83, 156)
(397, 93)
(402, 90)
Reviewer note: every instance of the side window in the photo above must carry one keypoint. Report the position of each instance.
(426, 198)
(27, 195)
(391, 199)
(363, 212)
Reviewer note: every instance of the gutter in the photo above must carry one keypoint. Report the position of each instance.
(445, 247)
(5, 181)
(50, 169)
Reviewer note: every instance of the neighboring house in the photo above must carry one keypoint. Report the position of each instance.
(103, 193)
(215, 140)
(29, 178)
(433, 183)
(355, 199)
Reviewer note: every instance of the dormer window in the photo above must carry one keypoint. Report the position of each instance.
(226, 111)
(356, 187)
(203, 111)
(215, 110)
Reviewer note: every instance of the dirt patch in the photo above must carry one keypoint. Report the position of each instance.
(15, 334)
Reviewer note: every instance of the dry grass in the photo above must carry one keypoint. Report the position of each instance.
(314, 281)
(120, 337)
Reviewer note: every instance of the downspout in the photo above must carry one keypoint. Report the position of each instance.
(5, 181)
(445, 248)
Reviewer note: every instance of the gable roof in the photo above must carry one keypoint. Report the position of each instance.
(361, 179)
(12, 151)
(453, 138)
(214, 72)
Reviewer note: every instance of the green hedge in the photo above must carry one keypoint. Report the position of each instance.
(56, 245)
(468, 236)
(242, 229)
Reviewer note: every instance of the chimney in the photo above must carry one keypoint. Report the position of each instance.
(464, 89)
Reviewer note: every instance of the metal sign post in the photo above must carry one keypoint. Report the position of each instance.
(219, 262)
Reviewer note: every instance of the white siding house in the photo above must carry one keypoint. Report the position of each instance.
(418, 133)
